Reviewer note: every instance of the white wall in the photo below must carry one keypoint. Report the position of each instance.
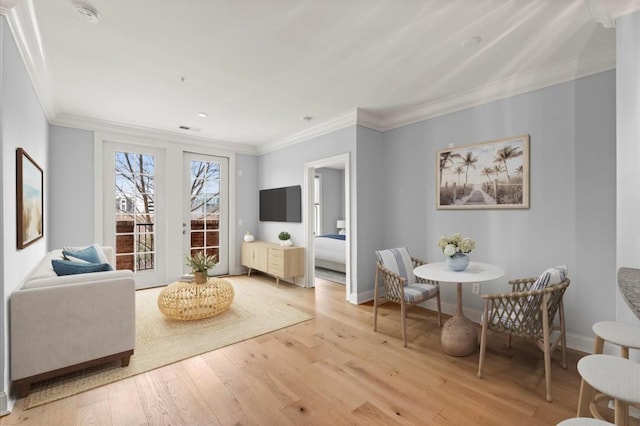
(371, 209)
(23, 125)
(285, 167)
(247, 202)
(71, 208)
(572, 215)
(628, 153)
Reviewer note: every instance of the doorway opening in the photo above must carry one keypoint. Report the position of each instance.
(327, 219)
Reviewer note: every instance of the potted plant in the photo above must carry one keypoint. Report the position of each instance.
(456, 250)
(285, 239)
(200, 263)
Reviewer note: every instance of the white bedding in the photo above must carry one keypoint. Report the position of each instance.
(330, 253)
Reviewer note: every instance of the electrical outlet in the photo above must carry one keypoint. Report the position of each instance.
(476, 288)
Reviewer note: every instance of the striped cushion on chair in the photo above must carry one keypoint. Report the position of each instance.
(398, 261)
(416, 293)
(551, 276)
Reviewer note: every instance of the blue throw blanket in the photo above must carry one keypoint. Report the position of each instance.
(334, 236)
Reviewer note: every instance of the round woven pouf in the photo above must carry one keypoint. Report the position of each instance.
(191, 301)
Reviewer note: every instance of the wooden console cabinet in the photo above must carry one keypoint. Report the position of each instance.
(281, 262)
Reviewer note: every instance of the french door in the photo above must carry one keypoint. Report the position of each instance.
(205, 225)
(134, 210)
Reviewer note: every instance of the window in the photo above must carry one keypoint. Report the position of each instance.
(205, 207)
(135, 216)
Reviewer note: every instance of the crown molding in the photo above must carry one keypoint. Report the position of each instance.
(605, 12)
(346, 119)
(96, 125)
(24, 27)
(559, 73)
(7, 5)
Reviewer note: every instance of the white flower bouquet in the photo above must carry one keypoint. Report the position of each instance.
(455, 244)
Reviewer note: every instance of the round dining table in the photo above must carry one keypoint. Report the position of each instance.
(459, 335)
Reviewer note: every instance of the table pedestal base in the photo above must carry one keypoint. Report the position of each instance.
(459, 336)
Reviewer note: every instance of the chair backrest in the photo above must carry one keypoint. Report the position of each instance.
(551, 276)
(397, 260)
(532, 315)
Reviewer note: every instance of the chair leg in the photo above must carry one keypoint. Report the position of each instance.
(624, 352)
(621, 412)
(439, 309)
(546, 346)
(563, 336)
(483, 338)
(586, 396)
(375, 302)
(403, 317)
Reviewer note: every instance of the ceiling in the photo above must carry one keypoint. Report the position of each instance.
(256, 68)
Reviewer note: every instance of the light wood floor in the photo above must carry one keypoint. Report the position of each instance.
(331, 370)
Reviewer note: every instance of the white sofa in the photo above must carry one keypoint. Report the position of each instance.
(61, 324)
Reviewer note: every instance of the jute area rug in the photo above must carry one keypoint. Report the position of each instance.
(161, 341)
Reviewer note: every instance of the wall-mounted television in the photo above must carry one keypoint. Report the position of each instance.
(281, 204)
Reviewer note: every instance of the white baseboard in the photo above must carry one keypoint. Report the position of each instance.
(4, 404)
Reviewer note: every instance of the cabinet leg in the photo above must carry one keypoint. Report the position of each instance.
(249, 272)
(277, 282)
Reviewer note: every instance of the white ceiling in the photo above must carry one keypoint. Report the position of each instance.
(258, 67)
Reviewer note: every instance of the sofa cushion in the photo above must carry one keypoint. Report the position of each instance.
(68, 267)
(44, 269)
(91, 254)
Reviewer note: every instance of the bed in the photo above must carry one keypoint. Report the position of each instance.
(330, 252)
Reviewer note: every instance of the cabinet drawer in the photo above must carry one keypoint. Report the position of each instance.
(276, 255)
(276, 269)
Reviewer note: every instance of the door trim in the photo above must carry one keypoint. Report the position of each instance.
(309, 174)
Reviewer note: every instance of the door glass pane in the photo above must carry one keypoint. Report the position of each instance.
(205, 206)
(135, 211)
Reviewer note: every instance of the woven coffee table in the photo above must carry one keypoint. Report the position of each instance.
(191, 301)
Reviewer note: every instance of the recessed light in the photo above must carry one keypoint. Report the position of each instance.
(471, 41)
(86, 12)
(202, 114)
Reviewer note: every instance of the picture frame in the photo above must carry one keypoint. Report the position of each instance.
(29, 200)
(485, 175)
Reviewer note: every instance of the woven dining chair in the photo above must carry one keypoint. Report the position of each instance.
(395, 268)
(529, 311)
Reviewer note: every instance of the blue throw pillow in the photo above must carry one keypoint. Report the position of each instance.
(88, 254)
(68, 267)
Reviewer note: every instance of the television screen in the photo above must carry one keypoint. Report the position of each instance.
(281, 204)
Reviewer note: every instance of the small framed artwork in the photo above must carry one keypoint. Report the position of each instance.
(487, 175)
(29, 194)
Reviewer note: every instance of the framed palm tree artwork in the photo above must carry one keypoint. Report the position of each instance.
(487, 175)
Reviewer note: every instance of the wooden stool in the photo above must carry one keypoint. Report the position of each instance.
(619, 333)
(583, 421)
(616, 377)
(625, 335)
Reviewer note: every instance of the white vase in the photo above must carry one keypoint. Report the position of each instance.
(286, 243)
(248, 237)
(458, 262)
